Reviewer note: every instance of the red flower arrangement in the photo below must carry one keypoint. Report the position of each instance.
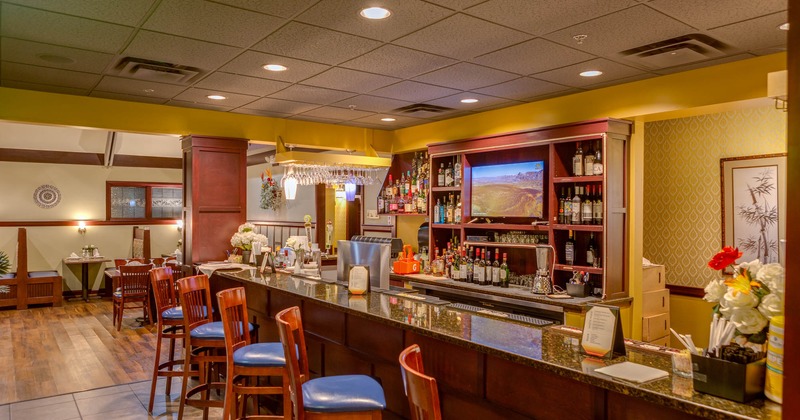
(724, 258)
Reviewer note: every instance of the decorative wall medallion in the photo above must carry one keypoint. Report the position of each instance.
(47, 196)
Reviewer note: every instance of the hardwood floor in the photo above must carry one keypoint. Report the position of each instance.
(51, 351)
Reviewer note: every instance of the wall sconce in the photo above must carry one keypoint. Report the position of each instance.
(82, 227)
(179, 225)
(350, 191)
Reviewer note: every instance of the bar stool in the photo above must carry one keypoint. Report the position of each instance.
(205, 341)
(328, 397)
(421, 390)
(170, 327)
(248, 361)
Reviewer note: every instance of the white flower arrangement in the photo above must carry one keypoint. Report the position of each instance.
(245, 236)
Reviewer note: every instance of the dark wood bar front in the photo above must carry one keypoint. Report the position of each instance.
(486, 367)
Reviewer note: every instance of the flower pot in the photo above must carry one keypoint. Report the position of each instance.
(246, 257)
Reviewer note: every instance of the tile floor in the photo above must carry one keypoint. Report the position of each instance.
(121, 402)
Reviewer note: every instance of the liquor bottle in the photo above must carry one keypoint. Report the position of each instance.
(448, 261)
(489, 273)
(597, 206)
(561, 200)
(591, 251)
(463, 265)
(450, 210)
(598, 159)
(424, 261)
(504, 272)
(481, 271)
(442, 212)
(568, 207)
(576, 207)
(422, 202)
(436, 265)
(588, 162)
(569, 250)
(397, 187)
(586, 216)
(410, 204)
(577, 161)
(440, 178)
(436, 212)
(455, 270)
(470, 266)
(408, 182)
(457, 171)
(448, 175)
(381, 202)
(496, 268)
(457, 216)
(401, 205)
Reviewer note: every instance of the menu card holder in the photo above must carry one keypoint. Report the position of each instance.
(602, 332)
(358, 279)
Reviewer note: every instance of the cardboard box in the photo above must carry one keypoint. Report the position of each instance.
(655, 327)
(653, 278)
(733, 381)
(656, 302)
(663, 341)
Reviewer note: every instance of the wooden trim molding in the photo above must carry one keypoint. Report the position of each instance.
(50, 223)
(95, 159)
(686, 291)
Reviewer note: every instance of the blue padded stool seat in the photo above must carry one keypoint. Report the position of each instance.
(343, 393)
(41, 274)
(260, 355)
(212, 331)
(176, 313)
(8, 276)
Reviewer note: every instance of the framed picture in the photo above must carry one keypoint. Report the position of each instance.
(754, 206)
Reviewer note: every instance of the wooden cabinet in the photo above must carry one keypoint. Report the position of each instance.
(517, 235)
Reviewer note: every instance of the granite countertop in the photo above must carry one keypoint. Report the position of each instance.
(554, 349)
(513, 291)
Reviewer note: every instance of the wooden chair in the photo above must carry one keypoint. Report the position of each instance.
(328, 397)
(246, 361)
(134, 281)
(421, 390)
(170, 327)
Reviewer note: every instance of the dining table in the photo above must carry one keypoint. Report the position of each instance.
(84, 263)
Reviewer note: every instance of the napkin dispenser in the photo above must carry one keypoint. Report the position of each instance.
(406, 264)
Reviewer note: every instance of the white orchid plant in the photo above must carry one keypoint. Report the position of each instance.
(748, 299)
(245, 236)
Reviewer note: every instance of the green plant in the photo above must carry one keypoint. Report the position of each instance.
(5, 263)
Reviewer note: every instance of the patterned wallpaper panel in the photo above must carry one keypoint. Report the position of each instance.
(682, 216)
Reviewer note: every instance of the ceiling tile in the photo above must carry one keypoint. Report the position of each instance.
(483, 101)
(233, 100)
(463, 37)
(350, 80)
(465, 76)
(707, 14)
(569, 75)
(131, 13)
(58, 29)
(212, 22)
(47, 76)
(336, 113)
(282, 8)
(399, 120)
(188, 104)
(240, 84)
(130, 98)
(43, 88)
(621, 81)
(413, 91)
(623, 30)
(138, 87)
(46, 55)
(306, 42)
(177, 50)
(279, 105)
(533, 56)
(261, 113)
(522, 88)
(372, 103)
(392, 60)
(304, 117)
(544, 16)
(311, 94)
(754, 34)
(250, 63)
(693, 66)
(456, 4)
(342, 15)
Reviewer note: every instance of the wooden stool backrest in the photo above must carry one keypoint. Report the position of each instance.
(158, 262)
(423, 395)
(233, 310)
(134, 279)
(195, 301)
(163, 289)
(290, 328)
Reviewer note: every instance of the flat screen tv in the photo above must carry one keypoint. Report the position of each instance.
(508, 190)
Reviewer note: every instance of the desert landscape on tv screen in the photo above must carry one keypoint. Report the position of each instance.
(510, 190)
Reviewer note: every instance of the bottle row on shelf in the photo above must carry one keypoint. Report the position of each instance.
(571, 256)
(409, 193)
(470, 265)
(587, 163)
(448, 212)
(584, 208)
(449, 176)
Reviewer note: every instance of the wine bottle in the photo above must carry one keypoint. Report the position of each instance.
(597, 206)
(588, 162)
(561, 206)
(496, 268)
(586, 217)
(381, 202)
(457, 171)
(568, 207)
(440, 178)
(463, 265)
(598, 159)
(569, 250)
(576, 207)
(436, 212)
(448, 261)
(504, 272)
(471, 266)
(401, 205)
(482, 268)
(577, 161)
(455, 271)
(489, 273)
(591, 251)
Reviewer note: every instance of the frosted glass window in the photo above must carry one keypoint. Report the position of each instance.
(167, 203)
(128, 202)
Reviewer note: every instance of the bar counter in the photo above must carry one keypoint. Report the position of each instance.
(486, 367)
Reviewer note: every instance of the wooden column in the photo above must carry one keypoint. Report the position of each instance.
(214, 195)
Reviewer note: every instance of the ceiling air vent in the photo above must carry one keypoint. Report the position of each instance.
(685, 49)
(410, 109)
(156, 71)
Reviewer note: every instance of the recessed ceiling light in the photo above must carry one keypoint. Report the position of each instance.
(784, 27)
(148, 90)
(388, 119)
(216, 97)
(469, 101)
(591, 73)
(375, 13)
(274, 67)
(57, 59)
